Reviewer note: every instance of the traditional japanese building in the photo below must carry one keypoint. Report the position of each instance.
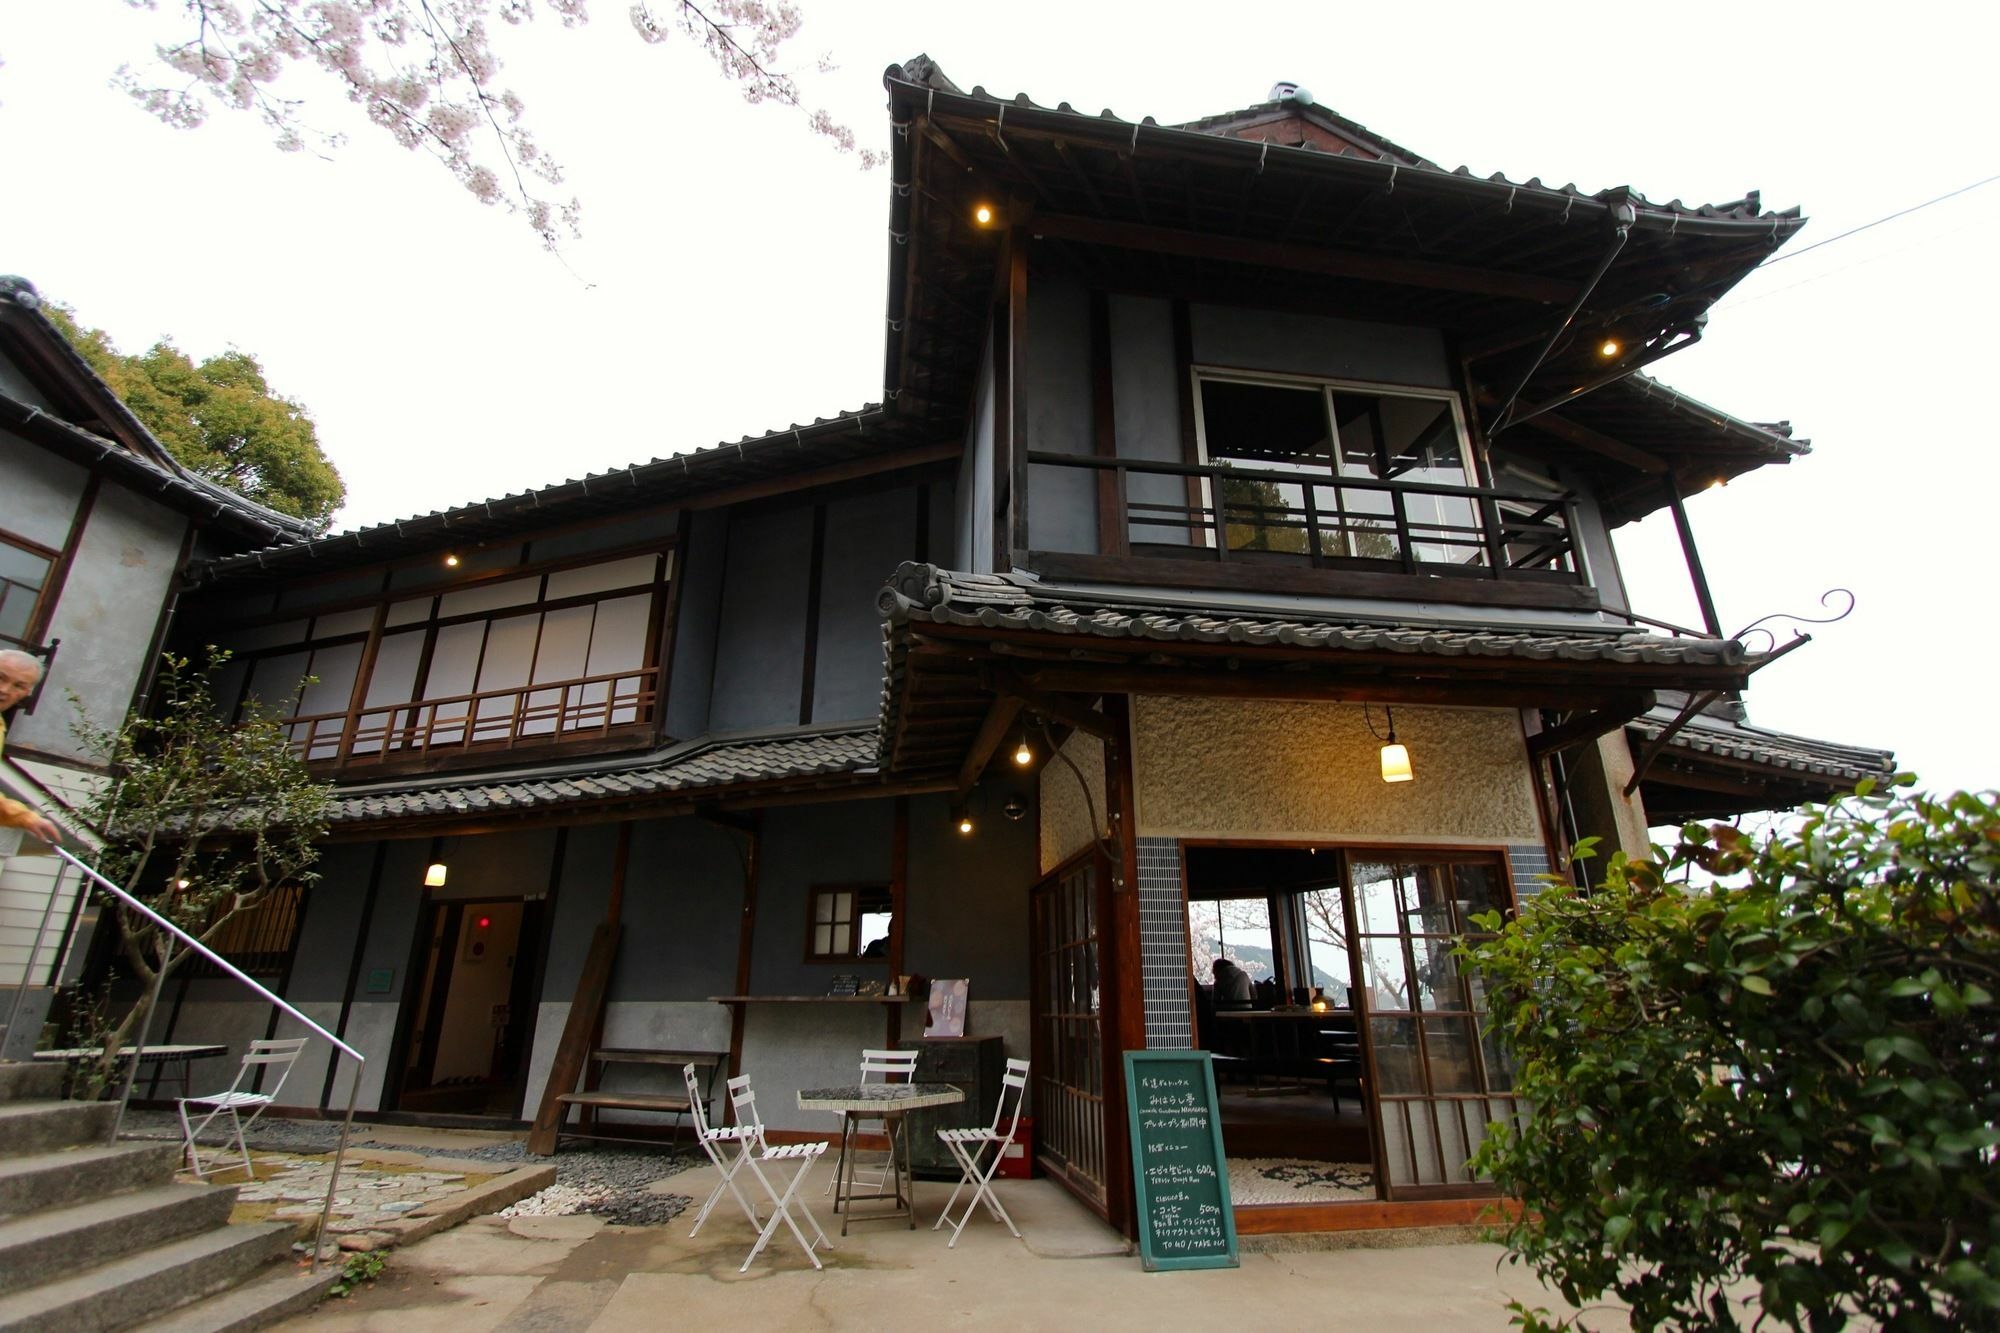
(1227, 569)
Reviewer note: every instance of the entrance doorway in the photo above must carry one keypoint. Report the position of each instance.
(1346, 1037)
(466, 1048)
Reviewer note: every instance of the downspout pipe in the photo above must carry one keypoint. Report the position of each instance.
(1623, 216)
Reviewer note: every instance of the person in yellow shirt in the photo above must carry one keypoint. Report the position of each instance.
(19, 674)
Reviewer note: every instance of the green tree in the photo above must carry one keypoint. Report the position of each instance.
(200, 822)
(1780, 1083)
(220, 419)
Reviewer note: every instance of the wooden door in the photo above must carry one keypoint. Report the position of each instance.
(1067, 911)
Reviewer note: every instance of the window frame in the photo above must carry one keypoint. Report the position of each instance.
(37, 622)
(864, 891)
(1475, 463)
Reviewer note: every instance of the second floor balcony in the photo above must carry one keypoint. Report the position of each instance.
(612, 710)
(1270, 528)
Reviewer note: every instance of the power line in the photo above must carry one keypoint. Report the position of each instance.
(1794, 254)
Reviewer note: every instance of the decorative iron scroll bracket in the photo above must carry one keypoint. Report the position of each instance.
(1756, 626)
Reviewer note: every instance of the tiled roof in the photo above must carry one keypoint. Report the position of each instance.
(825, 441)
(704, 764)
(924, 72)
(1720, 737)
(920, 592)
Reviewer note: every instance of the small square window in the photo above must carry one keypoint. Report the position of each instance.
(848, 921)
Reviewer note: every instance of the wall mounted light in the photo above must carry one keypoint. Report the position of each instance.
(451, 560)
(434, 876)
(983, 214)
(1395, 755)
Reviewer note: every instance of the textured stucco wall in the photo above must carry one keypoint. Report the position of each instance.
(1209, 768)
(1066, 826)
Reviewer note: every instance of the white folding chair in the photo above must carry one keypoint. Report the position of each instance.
(876, 1067)
(969, 1146)
(269, 1056)
(759, 1154)
(714, 1142)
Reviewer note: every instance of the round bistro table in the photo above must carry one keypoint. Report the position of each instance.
(887, 1102)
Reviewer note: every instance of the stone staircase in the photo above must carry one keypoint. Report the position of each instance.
(101, 1236)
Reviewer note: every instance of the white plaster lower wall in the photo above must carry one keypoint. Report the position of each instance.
(787, 1047)
(308, 1077)
(1225, 768)
(371, 1029)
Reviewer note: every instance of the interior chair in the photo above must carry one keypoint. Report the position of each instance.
(758, 1154)
(876, 1067)
(970, 1146)
(718, 1142)
(264, 1055)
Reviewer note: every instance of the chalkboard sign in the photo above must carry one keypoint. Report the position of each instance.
(1178, 1169)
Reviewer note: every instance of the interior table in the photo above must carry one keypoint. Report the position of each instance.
(887, 1102)
(163, 1057)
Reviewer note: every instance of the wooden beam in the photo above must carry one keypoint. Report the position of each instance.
(1571, 432)
(573, 1049)
(1586, 727)
(991, 732)
(1202, 570)
(1338, 263)
(1055, 709)
(1468, 693)
(746, 937)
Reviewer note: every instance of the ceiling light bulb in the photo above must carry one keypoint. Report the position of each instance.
(1718, 483)
(982, 214)
(1609, 348)
(451, 562)
(1023, 755)
(965, 823)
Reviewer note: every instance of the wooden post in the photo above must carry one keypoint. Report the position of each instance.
(1709, 619)
(1017, 387)
(1113, 537)
(746, 935)
(899, 897)
(1120, 961)
(357, 698)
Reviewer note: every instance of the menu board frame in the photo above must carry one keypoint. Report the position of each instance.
(1138, 1064)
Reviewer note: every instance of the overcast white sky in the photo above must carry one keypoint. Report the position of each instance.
(731, 276)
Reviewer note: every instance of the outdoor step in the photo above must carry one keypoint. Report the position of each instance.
(48, 1244)
(34, 1127)
(282, 1289)
(30, 1081)
(71, 1175)
(143, 1287)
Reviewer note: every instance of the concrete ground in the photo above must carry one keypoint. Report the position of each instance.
(567, 1274)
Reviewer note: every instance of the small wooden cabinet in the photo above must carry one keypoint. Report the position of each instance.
(973, 1064)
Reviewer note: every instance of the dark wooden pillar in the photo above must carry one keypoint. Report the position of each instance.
(1693, 557)
(746, 936)
(1122, 967)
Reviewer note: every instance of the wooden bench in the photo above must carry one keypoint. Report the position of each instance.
(592, 1099)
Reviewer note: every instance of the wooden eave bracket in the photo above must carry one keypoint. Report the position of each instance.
(1587, 727)
(1054, 707)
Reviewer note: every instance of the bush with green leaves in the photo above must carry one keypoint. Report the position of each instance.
(1764, 1073)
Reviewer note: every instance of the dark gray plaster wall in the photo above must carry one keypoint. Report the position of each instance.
(1062, 502)
(331, 927)
(683, 902)
(109, 608)
(967, 899)
(760, 650)
(867, 536)
(700, 568)
(972, 548)
(581, 896)
(38, 491)
(347, 587)
(497, 865)
(397, 904)
(1146, 403)
(1318, 345)
(842, 842)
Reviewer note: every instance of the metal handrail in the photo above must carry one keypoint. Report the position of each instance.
(159, 978)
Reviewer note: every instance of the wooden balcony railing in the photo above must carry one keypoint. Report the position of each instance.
(550, 712)
(1220, 512)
